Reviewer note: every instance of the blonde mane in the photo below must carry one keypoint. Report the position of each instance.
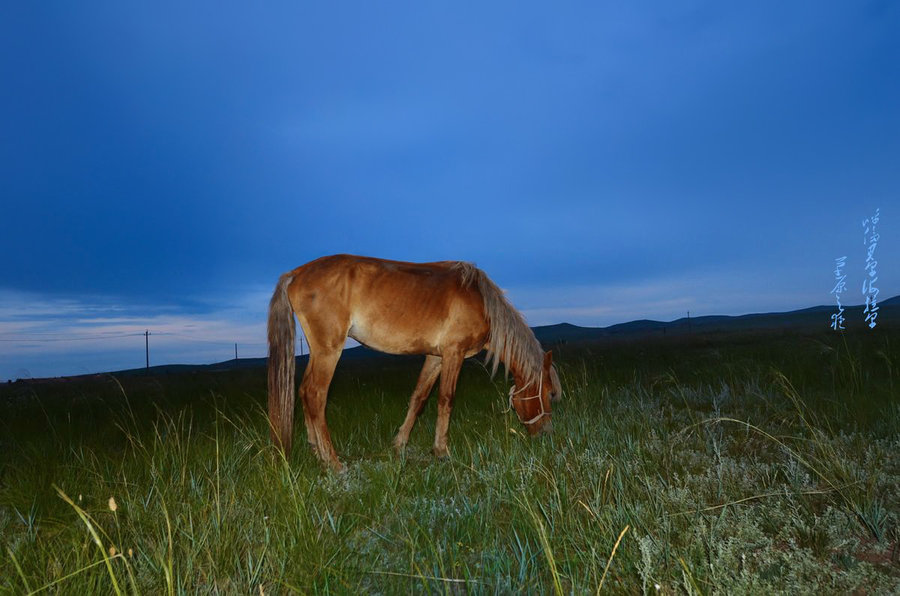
(512, 340)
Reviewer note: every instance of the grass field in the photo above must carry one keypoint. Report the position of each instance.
(740, 466)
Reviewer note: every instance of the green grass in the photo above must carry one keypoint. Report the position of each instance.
(761, 465)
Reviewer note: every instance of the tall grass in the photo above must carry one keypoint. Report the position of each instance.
(768, 465)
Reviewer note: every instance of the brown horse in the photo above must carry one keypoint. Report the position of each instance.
(448, 311)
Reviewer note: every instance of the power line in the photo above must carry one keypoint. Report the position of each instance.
(56, 333)
(48, 339)
(209, 341)
(31, 338)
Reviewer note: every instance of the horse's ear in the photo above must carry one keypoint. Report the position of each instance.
(548, 358)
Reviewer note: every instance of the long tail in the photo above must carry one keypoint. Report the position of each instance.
(281, 365)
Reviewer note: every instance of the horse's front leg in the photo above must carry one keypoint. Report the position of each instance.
(450, 366)
(430, 371)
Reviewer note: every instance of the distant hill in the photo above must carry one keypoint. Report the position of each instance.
(812, 320)
(815, 319)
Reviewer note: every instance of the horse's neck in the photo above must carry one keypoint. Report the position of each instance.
(521, 372)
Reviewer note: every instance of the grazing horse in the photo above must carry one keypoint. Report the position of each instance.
(448, 310)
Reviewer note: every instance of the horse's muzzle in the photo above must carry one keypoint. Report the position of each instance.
(546, 428)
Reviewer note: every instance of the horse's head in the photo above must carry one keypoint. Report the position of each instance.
(531, 401)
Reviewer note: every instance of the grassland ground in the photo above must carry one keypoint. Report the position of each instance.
(747, 465)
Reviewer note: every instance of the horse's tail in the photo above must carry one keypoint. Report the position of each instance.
(281, 365)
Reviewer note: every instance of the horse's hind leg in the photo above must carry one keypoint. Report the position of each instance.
(314, 394)
(427, 378)
(310, 429)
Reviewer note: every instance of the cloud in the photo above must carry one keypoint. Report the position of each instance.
(49, 336)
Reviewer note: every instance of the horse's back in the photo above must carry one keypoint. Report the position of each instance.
(393, 306)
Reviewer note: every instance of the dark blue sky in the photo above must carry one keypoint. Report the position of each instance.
(161, 165)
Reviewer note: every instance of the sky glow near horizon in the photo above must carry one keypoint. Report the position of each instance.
(161, 166)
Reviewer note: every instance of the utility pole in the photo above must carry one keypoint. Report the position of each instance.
(147, 347)
(689, 322)
(235, 351)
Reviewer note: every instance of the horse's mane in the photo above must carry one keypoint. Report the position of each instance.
(511, 340)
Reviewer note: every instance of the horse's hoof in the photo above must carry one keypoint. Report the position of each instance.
(337, 467)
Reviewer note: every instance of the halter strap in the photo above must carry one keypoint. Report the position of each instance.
(512, 396)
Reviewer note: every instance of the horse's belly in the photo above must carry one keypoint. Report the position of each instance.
(393, 342)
